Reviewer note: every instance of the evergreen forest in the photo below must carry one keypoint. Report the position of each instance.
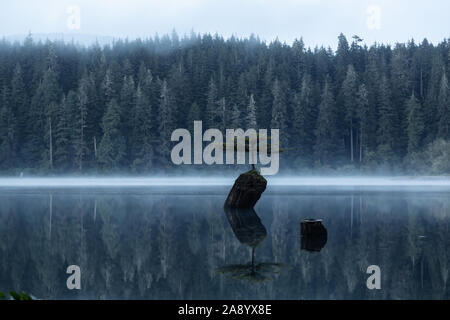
(66, 108)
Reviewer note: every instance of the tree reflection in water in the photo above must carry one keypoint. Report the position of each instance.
(159, 244)
(249, 230)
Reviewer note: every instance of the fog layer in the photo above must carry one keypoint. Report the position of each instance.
(220, 181)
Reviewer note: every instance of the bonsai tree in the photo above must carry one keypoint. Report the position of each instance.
(249, 186)
(255, 146)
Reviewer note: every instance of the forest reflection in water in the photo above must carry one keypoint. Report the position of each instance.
(164, 244)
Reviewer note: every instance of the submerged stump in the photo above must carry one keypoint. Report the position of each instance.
(247, 190)
(313, 235)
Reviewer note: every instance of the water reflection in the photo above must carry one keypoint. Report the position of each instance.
(166, 244)
(249, 230)
(313, 235)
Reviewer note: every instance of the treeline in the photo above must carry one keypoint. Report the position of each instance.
(66, 108)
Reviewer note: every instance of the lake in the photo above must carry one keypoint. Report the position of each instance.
(177, 242)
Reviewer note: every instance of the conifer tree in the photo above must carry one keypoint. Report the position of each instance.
(81, 122)
(111, 151)
(127, 98)
(63, 146)
(350, 94)
(212, 106)
(146, 80)
(235, 118)
(342, 59)
(401, 89)
(108, 87)
(364, 116)
(194, 115)
(279, 112)
(300, 60)
(222, 121)
(431, 112)
(43, 107)
(304, 121)
(8, 131)
(166, 122)
(142, 148)
(372, 80)
(387, 124)
(326, 129)
(415, 124)
(251, 114)
(19, 103)
(127, 105)
(444, 108)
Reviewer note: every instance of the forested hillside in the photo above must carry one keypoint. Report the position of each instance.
(72, 109)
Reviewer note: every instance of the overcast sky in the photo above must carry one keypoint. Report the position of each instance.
(319, 22)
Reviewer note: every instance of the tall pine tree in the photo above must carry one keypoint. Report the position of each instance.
(251, 113)
(444, 108)
(326, 128)
(350, 94)
(279, 112)
(112, 146)
(166, 123)
(8, 131)
(416, 124)
(142, 142)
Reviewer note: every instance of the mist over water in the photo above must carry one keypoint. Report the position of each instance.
(112, 182)
(170, 238)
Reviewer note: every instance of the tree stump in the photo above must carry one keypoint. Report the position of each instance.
(246, 191)
(313, 235)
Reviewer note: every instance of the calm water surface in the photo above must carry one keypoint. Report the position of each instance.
(179, 243)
